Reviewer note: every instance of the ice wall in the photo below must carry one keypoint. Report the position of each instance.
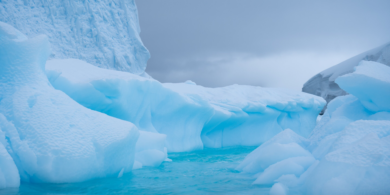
(191, 116)
(103, 33)
(49, 136)
(323, 84)
(348, 152)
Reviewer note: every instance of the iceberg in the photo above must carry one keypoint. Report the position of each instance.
(191, 116)
(9, 174)
(323, 84)
(370, 83)
(249, 115)
(103, 33)
(278, 189)
(284, 154)
(349, 148)
(45, 136)
(150, 150)
(358, 162)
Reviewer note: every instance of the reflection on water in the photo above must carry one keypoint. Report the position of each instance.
(210, 171)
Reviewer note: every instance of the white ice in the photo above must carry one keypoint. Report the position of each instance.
(9, 174)
(191, 116)
(323, 84)
(350, 144)
(47, 135)
(103, 33)
(370, 83)
(285, 153)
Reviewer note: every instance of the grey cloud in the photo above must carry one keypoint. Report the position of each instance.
(183, 36)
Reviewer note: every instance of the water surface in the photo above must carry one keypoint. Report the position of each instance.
(210, 171)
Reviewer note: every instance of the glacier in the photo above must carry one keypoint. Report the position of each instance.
(103, 33)
(323, 84)
(191, 116)
(348, 152)
(45, 136)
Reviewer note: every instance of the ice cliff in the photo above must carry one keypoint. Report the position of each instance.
(45, 136)
(190, 115)
(323, 84)
(348, 151)
(103, 33)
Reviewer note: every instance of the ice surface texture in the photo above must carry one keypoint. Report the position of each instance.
(323, 84)
(46, 134)
(190, 115)
(103, 33)
(370, 83)
(348, 152)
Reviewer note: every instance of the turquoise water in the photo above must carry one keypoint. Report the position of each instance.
(210, 171)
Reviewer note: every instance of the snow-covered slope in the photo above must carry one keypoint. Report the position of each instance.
(103, 33)
(323, 84)
(348, 152)
(191, 116)
(51, 138)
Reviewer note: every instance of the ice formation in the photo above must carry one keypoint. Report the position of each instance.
(285, 153)
(323, 84)
(348, 152)
(370, 83)
(51, 138)
(9, 174)
(103, 33)
(150, 150)
(46, 136)
(190, 115)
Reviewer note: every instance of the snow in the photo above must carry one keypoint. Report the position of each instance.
(103, 33)
(348, 152)
(51, 138)
(323, 84)
(191, 116)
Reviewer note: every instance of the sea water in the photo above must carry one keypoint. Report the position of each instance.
(210, 171)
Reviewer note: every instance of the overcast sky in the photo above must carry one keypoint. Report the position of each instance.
(268, 43)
